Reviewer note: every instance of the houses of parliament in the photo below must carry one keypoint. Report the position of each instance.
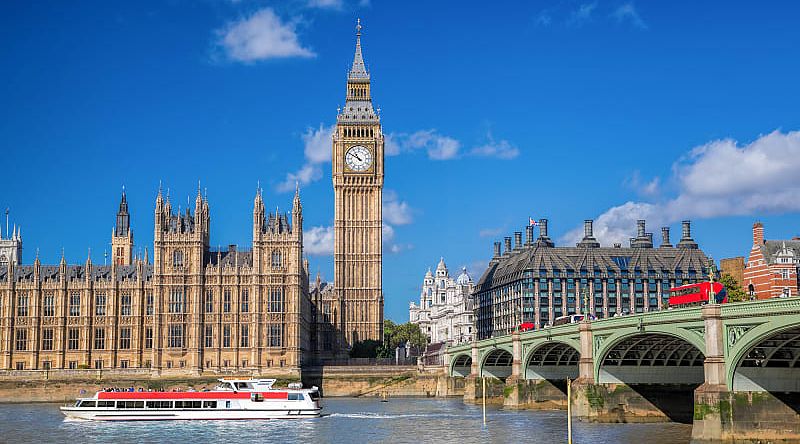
(192, 308)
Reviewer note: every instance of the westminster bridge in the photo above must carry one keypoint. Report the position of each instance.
(732, 370)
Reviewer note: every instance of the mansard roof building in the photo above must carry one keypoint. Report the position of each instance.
(191, 309)
(537, 281)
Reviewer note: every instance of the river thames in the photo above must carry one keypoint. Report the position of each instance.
(346, 420)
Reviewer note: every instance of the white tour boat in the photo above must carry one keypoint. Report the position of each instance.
(231, 399)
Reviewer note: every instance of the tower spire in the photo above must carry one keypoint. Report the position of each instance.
(358, 70)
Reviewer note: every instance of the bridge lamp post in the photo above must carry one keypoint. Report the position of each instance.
(585, 294)
(711, 272)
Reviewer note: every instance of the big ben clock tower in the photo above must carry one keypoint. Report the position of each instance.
(358, 189)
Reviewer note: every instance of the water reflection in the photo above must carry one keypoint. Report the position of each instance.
(412, 421)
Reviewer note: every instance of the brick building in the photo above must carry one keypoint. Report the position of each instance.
(733, 266)
(771, 269)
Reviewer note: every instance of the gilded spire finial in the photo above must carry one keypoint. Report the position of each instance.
(358, 27)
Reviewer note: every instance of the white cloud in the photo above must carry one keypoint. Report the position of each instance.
(325, 4)
(502, 149)
(318, 145)
(317, 150)
(437, 146)
(305, 175)
(543, 18)
(318, 241)
(490, 232)
(395, 211)
(627, 12)
(261, 36)
(583, 14)
(720, 178)
(644, 187)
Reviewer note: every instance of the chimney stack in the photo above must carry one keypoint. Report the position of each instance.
(588, 237)
(640, 228)
(665, 237)
(758, 233)
(529, 235)
(686, 240)
(543, 228)
(517, 240)
(508, 244)
(497, 249)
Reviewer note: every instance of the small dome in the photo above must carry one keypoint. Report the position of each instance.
(463, 278)
(429, 274)
(441, 265)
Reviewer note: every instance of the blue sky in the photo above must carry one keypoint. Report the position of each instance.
(495, 112)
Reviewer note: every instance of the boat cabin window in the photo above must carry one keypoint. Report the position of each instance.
(314, 395)
(209, 404)
(256, 397)
(227, 404)
(159, 404)
(130, 404)
(86, 404)
(105, 403)
(243, 386)
(295, 397)
(187, 404)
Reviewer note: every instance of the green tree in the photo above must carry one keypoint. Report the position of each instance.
(735, 291)
(396, 334)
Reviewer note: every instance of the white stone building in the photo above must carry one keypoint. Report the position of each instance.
(445, 310)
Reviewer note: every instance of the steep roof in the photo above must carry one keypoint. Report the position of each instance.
(536, 257)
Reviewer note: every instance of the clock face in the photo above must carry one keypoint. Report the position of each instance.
(358, 158)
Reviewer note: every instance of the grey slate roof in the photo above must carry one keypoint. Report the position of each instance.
(231, 258)
(77, 272)
(536, 257)
(771, 247)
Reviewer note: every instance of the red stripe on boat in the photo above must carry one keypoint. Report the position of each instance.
(189, 395)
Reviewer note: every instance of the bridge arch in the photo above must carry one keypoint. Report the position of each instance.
(552, 360)
(496, 363)
(461, 365)
(767, 358)
(650, 357)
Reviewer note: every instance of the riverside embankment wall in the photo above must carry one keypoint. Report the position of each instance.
(350, 381)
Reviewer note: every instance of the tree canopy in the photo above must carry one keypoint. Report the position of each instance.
(735, 291)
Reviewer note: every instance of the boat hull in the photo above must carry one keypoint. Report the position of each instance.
(113, 414)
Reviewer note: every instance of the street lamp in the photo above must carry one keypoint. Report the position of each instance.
(712, 269)
(585, 293)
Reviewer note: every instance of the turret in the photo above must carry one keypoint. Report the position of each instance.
(297, 214)
(122, 236)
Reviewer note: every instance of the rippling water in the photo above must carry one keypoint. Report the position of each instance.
(345, 421)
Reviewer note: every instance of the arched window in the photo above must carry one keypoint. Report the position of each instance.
(177, 258)
(276, 259)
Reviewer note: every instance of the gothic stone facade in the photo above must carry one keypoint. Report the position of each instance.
(357, 169)
(445, 310)
(537, 282)
(772, 267)
(191, 309)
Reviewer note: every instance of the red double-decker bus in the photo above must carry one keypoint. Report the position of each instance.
(696, 294)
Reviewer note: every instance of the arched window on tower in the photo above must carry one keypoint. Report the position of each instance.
(277, 259)
(177, 258)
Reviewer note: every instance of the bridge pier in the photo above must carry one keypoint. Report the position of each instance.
(725, 415)
(732, 370)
